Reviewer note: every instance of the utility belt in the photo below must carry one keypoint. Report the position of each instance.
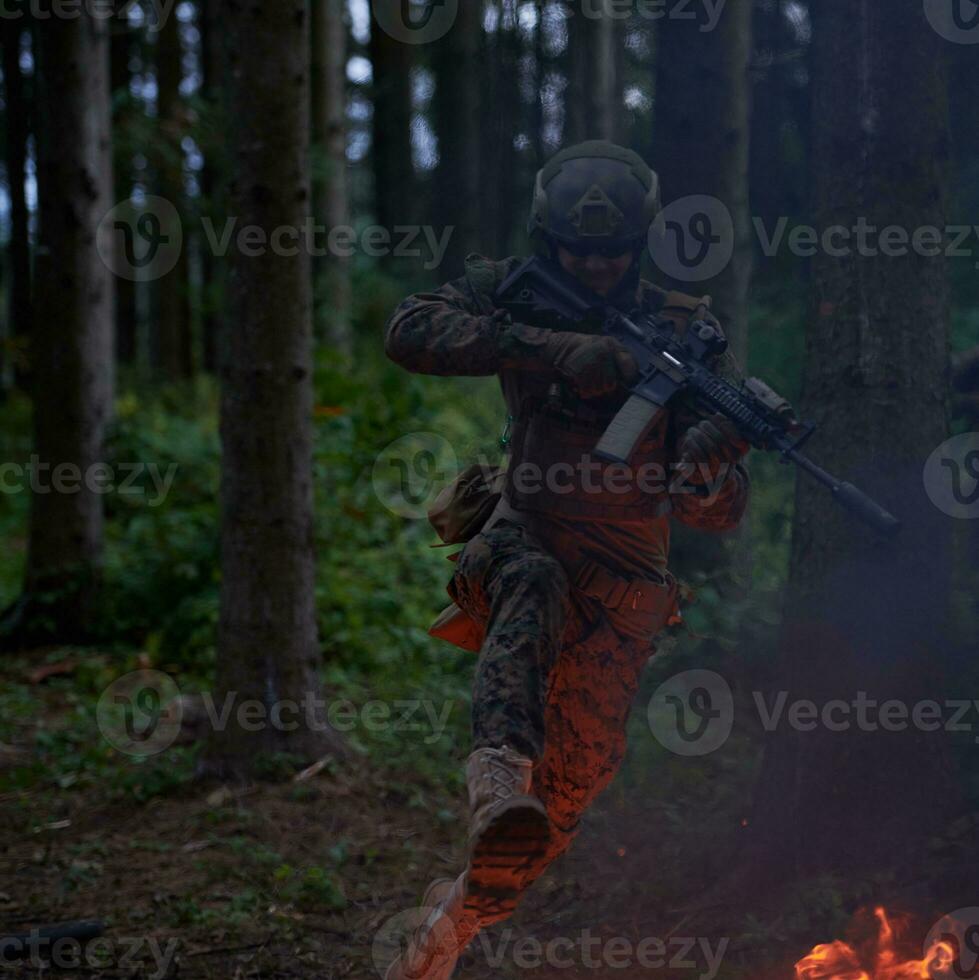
(638, 598)
(638, 606)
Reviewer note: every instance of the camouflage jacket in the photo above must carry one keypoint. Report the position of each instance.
(457, 330)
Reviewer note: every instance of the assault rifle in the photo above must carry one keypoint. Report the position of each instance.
(672, 367)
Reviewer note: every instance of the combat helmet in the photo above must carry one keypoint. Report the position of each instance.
(594, 193)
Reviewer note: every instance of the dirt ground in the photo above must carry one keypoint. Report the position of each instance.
(312, 878)
(208, 876)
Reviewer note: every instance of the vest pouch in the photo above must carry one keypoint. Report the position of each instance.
(464, 505)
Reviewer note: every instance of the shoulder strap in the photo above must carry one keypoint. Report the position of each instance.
(681, 308)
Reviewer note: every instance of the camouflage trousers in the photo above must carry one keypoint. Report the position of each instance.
(554, 679)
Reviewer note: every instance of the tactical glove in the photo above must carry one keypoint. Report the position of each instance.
(712, 443)
(594, 365)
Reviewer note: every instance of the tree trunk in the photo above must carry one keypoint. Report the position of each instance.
(865, 614)
(120, 51)
(702, 110)
(267, 642)
(394, 176)
(18, 128)
(213, 268)
(702, 140)
(329, 102)
(72, 343)
(593, 98)
(500, 64)
(174, 347)
(458, 111)
(541, 66)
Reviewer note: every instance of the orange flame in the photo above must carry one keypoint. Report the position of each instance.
(839, 961)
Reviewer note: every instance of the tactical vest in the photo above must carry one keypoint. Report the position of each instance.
(553, 432)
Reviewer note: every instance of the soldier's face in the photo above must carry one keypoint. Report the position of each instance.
(600, 273)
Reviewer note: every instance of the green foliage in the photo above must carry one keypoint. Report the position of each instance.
(162, 555)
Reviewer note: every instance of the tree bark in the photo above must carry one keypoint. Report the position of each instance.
(458, 111)
(213, 267)
(702, 136)
(394, 175)
(500, 64)
(593, 98)
(702, 140)
(120, 51)
(329, 102)
(864, 614)
(72, 337)
(174, 346)
(18, 129)
(267, 641)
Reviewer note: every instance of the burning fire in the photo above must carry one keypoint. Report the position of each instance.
(839, 961)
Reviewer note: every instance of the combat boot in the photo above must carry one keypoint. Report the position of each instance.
(508, 830)
(440, 938)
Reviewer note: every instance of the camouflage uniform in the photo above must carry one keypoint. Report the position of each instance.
(558, 668)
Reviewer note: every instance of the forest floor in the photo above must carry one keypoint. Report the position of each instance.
(310, 877)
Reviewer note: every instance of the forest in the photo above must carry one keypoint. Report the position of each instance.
(230, 746)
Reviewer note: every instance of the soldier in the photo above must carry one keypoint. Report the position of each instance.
(566, 581)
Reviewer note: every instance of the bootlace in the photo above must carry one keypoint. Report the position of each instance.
(499, 778)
